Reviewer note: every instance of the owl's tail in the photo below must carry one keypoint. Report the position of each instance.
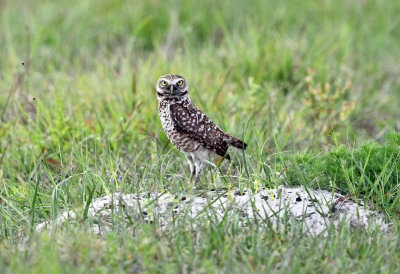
(236, 142)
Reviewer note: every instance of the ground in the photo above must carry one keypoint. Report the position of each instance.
(312, 88)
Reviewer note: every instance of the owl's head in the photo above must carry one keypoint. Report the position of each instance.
(171, 86)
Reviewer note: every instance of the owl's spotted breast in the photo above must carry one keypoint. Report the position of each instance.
(182, 142)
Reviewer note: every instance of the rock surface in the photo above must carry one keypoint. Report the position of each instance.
(314, 210)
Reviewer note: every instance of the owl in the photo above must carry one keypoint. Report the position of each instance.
(187, 127)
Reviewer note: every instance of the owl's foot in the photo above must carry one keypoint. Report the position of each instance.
(192, 174)
(197, 173)
(196, 179)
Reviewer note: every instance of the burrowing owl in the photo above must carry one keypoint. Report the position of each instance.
(187, 127)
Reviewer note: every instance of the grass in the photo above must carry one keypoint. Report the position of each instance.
(370, 171)
(311, 87)
(207, 249)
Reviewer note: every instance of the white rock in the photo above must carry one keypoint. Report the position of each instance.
(315, 210)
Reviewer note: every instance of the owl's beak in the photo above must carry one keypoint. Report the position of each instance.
(172, 88)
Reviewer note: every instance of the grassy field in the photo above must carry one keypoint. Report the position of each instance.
(313, 87)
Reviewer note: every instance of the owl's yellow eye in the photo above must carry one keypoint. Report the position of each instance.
(164, 83)
(179, 83)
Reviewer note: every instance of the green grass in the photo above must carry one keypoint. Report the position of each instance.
(369, 171)
(209, 248)
(312, 87)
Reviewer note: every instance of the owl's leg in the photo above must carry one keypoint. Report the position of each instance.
(191, 165)
(198, 158)
(199, 166)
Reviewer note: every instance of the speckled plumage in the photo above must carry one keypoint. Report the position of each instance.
(187, 127)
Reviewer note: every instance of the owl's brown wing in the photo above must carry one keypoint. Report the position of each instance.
(190, 120)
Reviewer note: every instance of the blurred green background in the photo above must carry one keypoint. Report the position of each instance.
(293, 76)
(295, 70)
(288, 77)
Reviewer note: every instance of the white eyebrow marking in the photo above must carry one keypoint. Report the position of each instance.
(177, 80)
